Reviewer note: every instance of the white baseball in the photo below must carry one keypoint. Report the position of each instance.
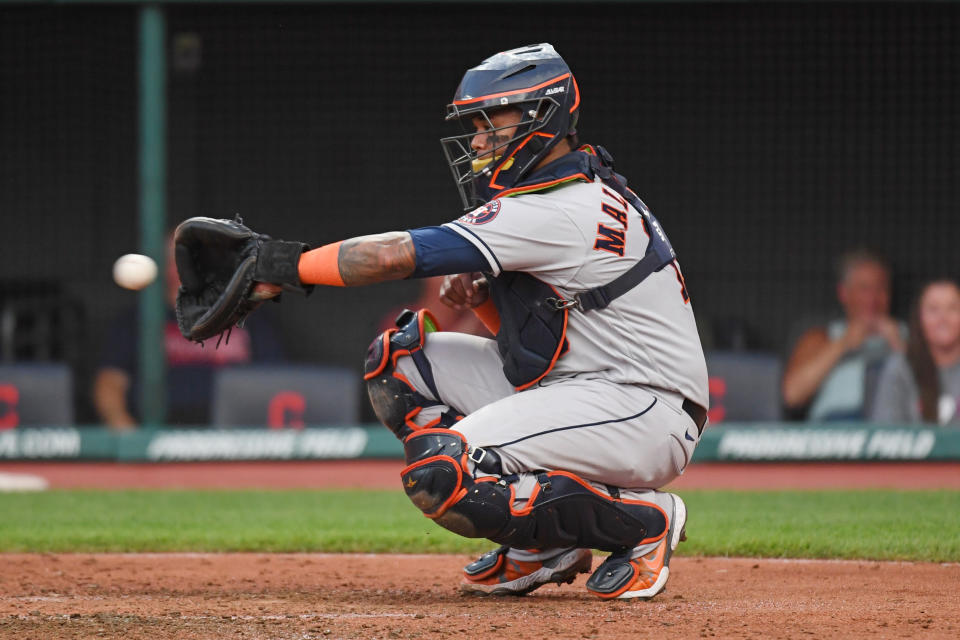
(134, 271)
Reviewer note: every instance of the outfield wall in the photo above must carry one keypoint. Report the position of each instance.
(732, 443)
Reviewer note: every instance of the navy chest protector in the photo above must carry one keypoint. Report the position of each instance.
(534, 316)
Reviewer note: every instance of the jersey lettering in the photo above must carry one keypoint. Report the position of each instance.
(609, 239)
(615, 196)
(616, 214)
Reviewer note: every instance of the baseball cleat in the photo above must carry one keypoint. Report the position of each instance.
(622, 577)
(496, 574)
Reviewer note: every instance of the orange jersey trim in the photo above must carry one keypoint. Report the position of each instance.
(541, 186)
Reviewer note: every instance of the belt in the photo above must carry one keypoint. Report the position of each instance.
(695, 411)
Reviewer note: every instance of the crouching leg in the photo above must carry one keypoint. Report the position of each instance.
(562, 510)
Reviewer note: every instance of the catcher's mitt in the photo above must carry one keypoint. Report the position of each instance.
(220, 262)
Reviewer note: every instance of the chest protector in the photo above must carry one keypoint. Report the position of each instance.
(533, 315)
(533, 330)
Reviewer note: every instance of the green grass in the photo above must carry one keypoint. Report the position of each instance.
(874, 524)
(906, 525)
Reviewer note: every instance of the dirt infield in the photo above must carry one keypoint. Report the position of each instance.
(282, 596)
(303, 596)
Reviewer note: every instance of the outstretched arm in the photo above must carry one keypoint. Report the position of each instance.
(371, 259)
(419, 253)
(361, 260)
(219, 261)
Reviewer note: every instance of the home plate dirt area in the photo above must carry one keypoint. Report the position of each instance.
(300, 596)
(194, 596)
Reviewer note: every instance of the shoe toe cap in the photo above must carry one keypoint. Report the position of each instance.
(611, 577)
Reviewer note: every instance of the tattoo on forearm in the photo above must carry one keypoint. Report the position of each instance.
(370, 259)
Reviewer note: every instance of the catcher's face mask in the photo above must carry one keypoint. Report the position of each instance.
(496, 148)
(494, 153)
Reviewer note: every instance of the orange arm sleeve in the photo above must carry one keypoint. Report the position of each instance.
(487, 312)
(320, 266)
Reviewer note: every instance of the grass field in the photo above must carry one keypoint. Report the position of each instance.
(879, 525)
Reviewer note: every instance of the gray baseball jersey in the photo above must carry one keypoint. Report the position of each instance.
(583, 235)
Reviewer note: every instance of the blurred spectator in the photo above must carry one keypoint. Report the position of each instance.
(190, 366)
(831, 366)
(448, 318)
(924, 384)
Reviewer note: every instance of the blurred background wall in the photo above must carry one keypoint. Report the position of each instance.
(766, 138)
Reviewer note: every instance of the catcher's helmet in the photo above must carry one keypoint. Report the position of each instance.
(533, 79)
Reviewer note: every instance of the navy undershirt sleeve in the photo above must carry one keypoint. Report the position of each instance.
(441, 251)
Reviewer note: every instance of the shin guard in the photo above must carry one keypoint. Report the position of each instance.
(563, 511)
(566, 511)
(437, 480)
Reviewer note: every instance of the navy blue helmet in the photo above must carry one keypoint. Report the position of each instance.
(533, 80)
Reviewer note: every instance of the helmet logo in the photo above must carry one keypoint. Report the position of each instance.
(504, 101)
(550, 92)
(482, 215)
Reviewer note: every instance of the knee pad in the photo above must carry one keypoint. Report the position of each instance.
(394, 399)
(564, 511)
(396, 402)
(437, 480)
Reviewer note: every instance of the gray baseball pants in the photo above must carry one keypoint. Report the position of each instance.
(628, 436)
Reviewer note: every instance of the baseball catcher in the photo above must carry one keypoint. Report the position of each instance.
(553, 439)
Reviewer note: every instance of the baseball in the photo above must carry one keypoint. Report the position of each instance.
(134, 271)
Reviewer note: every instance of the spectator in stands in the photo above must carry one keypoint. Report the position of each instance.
(924, 384)
(830, 368)
(190, 366)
